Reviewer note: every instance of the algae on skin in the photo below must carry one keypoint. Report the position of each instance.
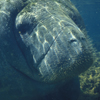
(90, 82)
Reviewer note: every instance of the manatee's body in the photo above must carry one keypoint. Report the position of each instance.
(42, 46)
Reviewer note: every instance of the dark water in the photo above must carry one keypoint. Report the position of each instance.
(90, 12)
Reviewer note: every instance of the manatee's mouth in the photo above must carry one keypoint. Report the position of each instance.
(54, 63)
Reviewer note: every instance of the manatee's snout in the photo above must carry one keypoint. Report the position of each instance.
(52, 43)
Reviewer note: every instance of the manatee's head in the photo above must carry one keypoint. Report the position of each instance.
(50, 36)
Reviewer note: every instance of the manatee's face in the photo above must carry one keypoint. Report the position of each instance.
(51, 42)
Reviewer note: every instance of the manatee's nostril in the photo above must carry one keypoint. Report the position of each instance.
(82, 38)
(73, 40)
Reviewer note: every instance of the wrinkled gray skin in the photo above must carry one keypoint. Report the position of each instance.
(42, 46)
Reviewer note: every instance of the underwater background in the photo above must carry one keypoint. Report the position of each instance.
(90, 12)
(90, 80)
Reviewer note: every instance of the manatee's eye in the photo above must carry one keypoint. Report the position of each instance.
(25, 24)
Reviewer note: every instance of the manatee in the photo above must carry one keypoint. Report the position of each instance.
(43, 45)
